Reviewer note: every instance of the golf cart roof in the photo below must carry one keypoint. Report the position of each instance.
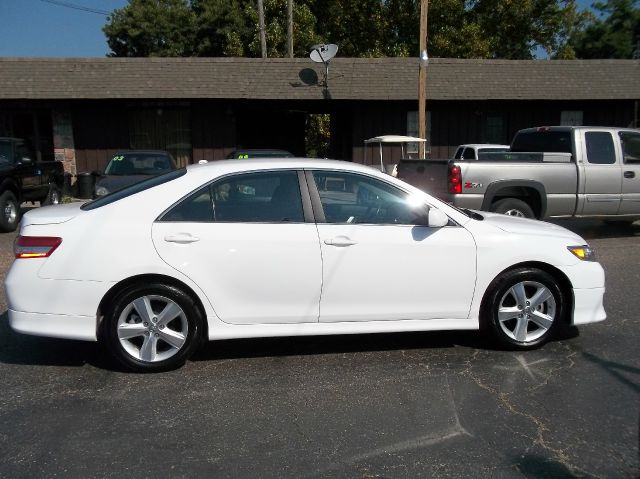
(394, 139)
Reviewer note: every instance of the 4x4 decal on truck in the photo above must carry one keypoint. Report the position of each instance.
(468, 185)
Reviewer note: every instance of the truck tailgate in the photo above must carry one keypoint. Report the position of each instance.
(428, 175)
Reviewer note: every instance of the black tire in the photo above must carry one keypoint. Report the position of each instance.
(506, 316)
(53, 197)
(513, 207)
(149, 338)
(9, 212)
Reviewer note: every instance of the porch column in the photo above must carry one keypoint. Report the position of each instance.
(63, 145)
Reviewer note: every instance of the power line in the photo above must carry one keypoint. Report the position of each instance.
(77, 7)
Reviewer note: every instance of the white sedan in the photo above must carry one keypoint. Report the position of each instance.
(289, 247)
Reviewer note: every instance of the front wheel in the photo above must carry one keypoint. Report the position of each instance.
(524, 307)
(152, 327)
(513, 207)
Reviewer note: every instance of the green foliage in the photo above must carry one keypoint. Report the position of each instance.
(513, 29)
(611, 34)
(149, 28)
(318, 135)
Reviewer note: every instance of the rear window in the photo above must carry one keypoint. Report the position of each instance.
(5, 153)
(543, 142)
(132, 190)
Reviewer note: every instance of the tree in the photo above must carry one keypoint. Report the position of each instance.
(361, 28)
(613, 33)
(148, 28)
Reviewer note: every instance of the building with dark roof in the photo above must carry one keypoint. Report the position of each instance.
(83, 110)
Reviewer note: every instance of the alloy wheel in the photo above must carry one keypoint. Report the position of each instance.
(152, 328)
(527, 311)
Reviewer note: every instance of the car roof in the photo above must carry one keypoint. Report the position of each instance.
(220, 167)
(150, 152)
(483, 145)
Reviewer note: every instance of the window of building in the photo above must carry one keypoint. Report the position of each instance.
(413, 130)
(161, 128)
(571, 118)
(495, 129)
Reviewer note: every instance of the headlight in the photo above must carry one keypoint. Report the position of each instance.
(101, 191)
(583, 252)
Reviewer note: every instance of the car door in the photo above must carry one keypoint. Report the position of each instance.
(630, 147)
(377, 264)
(244, 241)
(603, 174)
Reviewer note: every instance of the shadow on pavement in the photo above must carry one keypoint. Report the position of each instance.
(335, 344)
(538, 467)
(23, 349)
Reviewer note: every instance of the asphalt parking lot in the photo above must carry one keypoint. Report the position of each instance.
(374, 406)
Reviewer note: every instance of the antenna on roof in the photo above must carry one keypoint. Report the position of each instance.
(323, 53)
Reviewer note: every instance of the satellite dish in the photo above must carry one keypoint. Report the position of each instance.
(323, 53)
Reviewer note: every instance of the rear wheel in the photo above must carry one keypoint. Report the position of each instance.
(513, 207)
(9, 212)
(524, 307)
(152, 328)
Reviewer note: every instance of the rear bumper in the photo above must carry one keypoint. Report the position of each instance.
(54, 325)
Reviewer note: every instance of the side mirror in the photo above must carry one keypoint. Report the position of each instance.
(437, 219)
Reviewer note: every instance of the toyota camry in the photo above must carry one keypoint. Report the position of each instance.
(289, 247)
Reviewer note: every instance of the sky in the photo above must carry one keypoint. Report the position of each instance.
(44, 28)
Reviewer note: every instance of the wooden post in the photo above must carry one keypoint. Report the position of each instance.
(422, 77)
(290, 27)
(263, 38)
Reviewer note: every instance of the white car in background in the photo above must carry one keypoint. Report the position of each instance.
(289, 247)
(478, 151)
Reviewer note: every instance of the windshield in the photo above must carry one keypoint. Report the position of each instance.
(133, 163)
(132, 190)
(5, 153)
(543, 141)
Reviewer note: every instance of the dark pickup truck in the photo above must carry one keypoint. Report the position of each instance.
(22, 178)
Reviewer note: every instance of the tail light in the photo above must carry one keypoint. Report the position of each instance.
(455, 179)
(35, 246)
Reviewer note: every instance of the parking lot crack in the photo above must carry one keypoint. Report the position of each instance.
(538, 439)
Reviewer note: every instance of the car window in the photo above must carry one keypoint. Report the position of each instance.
(600, 149)
(134, 163)
(258, 197)
(630, 146)
(269, 197)
(197, 207)
(359, 199)
(458, 154)
(469, 154)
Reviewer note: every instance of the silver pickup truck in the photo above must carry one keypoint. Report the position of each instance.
(548, 172)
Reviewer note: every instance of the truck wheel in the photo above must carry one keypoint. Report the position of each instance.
(53, 197)
(513, 207)
(523, 308)
(9, 212)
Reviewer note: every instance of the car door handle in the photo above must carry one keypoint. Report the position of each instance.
(629, 174)
(181, 238)
(340, 241)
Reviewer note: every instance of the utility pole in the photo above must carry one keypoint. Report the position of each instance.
(290, 27)
(263, 39)
(422, 77)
